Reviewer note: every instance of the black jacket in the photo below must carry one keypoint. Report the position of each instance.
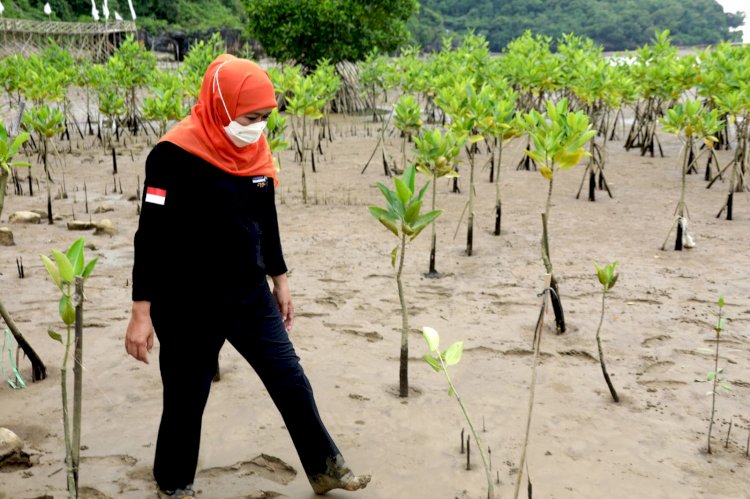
(215, 237)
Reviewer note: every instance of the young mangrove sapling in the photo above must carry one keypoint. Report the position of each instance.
(304, 105)
(46, 122)
(436, 157)
(402, 217)
(440, 362)
(714, 377)
(497, 128)
(607, 278)
(559, 138)
(407, 117)
(692, 122)
(69, 271)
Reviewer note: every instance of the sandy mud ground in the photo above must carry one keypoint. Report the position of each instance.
(658, 323)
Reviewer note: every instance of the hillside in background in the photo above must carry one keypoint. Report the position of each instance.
(152, 15)
(620, 25)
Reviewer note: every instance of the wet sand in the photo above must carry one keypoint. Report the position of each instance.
(658, 322)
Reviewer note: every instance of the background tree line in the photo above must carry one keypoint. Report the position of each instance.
(620, 25)
(307, 30)
(153, 15)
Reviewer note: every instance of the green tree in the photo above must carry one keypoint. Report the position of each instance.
(307, 31)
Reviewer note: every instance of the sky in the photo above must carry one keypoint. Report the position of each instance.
(739, 6)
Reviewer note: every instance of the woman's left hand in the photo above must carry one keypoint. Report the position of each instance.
(283, 298)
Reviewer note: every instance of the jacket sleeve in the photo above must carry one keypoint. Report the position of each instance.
(273, 256)
(157, 205)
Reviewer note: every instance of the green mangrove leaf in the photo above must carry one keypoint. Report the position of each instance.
(402, 191)
(408, 177)
(64, 265)
(89, 268)
(52, 270)
(75, 256)
(413, 212)
(432, 338)
(55, 336)
(453, 354)
(425, 219)
(433, 362)
(389, 195)
(601, 274)
(389, 225)
(67, 312)
(613, 281)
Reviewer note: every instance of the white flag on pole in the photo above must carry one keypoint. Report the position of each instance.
(105, 10)
(118, 17)
(47, 9)
(94, 11)
(132, 10)
(1, 8)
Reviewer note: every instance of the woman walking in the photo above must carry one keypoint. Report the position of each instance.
(207, 239)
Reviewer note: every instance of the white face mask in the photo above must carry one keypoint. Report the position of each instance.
(244, 135)
(240, 135)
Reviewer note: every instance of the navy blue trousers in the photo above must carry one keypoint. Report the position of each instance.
(190, 340)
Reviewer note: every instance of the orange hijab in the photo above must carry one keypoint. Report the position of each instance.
(246, 87)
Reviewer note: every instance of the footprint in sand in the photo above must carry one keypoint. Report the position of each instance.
(111, 460)
(268, 467)
(655, 340)
(353, 329)
(264, 494)
(91, 493)
(658, 374)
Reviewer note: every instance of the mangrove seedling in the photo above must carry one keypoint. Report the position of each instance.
(498, 127)
(166, 104)
(402, 217)
(607, 278)
(304, 105)
(736, 107)
(692, 122)
(9, 148)
(46, 122)
(69, 271)
(714, 377)
(436, 157)
(372, 77)
(440, 362)
(407, 118)
(131, 66)
(559, 138)
(598, 85)
(8, 151)
(466, 108)
(276, 130)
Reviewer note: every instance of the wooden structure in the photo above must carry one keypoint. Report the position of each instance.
(95, 40)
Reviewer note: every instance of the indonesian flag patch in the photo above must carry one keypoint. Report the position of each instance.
(156, 195)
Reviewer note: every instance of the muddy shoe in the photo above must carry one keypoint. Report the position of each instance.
(337, 476)
(186, 493)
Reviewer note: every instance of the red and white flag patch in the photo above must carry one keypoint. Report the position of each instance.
(156, 195)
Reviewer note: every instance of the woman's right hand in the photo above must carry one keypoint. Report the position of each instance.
(139, 337)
